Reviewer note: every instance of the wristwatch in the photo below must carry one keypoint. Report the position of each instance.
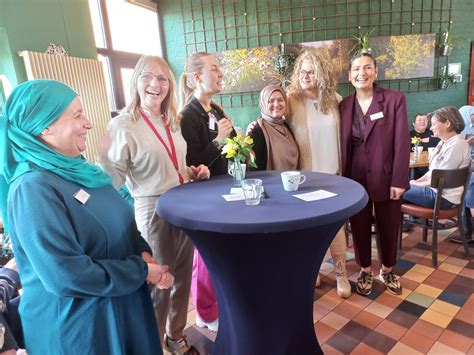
(216, 144)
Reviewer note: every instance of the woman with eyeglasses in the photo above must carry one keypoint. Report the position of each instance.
(315, 123)
(375, 153)
(148, 153)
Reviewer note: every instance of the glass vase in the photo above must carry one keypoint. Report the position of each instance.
(415, 152)
(237, 172)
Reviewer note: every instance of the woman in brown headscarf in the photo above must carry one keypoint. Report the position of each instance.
(274, 145)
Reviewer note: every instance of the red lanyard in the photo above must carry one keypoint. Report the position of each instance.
(172, 152)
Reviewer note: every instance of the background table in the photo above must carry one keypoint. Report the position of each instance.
(263, 259)
(421, 161)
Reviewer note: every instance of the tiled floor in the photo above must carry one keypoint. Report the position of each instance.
(433, 315)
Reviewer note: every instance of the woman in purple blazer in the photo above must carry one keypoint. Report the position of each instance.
(375, 152)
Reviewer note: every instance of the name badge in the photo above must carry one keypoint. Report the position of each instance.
(212, 124)
(376, 116)
(212, 121)
(81, 196)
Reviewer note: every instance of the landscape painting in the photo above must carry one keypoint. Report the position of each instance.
(249, 69)
(398, 57)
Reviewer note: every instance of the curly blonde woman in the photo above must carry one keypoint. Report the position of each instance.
(315, 122)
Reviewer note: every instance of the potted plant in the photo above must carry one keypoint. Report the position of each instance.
(362, 45)
(449, 42)
(446, 79)
(284, 63)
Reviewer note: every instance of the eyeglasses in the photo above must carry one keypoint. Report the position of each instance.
(303, 73)
(148, 77)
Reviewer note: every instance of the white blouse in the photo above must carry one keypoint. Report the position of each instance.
(453, 153)
(323, 138)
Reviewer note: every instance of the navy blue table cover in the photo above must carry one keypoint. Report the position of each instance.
(263, 259)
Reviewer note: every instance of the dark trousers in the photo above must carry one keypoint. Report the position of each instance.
(387, 220)
(466, 221)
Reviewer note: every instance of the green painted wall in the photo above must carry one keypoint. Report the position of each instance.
(33, 24)
(171, 13)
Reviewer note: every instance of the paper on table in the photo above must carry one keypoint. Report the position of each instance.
(234, 197)
(315, 195)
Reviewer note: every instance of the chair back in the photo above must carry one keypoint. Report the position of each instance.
(448, 179)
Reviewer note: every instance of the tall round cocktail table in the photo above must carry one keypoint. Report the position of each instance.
(263, 259)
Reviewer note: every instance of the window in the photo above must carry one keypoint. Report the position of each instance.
(123, 32)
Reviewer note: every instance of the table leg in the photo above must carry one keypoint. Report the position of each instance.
(265, 288)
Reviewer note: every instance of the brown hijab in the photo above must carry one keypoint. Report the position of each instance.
(282, 152)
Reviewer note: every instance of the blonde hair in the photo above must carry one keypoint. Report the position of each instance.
(323, 75)
(187, 84)
(168, 106)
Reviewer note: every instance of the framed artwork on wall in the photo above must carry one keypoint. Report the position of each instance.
(398, 57)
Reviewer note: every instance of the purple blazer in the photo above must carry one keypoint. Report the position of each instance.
(387, 142)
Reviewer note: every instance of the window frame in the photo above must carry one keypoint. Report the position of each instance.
(118, 60)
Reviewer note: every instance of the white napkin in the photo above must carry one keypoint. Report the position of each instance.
(315, 195)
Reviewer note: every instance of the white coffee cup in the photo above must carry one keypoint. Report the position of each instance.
(230, 169)
(419, 149)
(292, 180)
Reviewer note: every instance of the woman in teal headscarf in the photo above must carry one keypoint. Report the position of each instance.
(82, 261)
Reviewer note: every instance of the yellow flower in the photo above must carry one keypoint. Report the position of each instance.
(231, 153)
(415, 140)
(239, 147)
(248, 140)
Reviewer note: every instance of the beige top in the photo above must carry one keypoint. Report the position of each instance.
(317, 135)
(454, 153)
(137, 158)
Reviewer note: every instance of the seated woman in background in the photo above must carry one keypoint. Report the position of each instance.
(422, 131)
(274, 145)
(82, 262)
(452, 152)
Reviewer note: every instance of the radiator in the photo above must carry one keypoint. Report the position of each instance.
(86, 76)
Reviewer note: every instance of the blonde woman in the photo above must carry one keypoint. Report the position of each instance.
(204, 126)
(148, 154)
(315, 122)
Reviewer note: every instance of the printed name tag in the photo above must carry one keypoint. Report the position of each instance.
(376, 116)
(212, 121)
(81, 196)
(212, 124)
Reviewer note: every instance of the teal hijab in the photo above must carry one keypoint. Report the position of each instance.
(32, 107)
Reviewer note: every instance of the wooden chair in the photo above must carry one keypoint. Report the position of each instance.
(429, 217)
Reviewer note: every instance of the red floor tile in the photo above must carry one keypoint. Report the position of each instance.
(389, 300)
(364, 349)
(368, 319)
(323, 332)
(429, 329)
(456, 341)
(347, 310)
(391, 329)
(417, 341)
